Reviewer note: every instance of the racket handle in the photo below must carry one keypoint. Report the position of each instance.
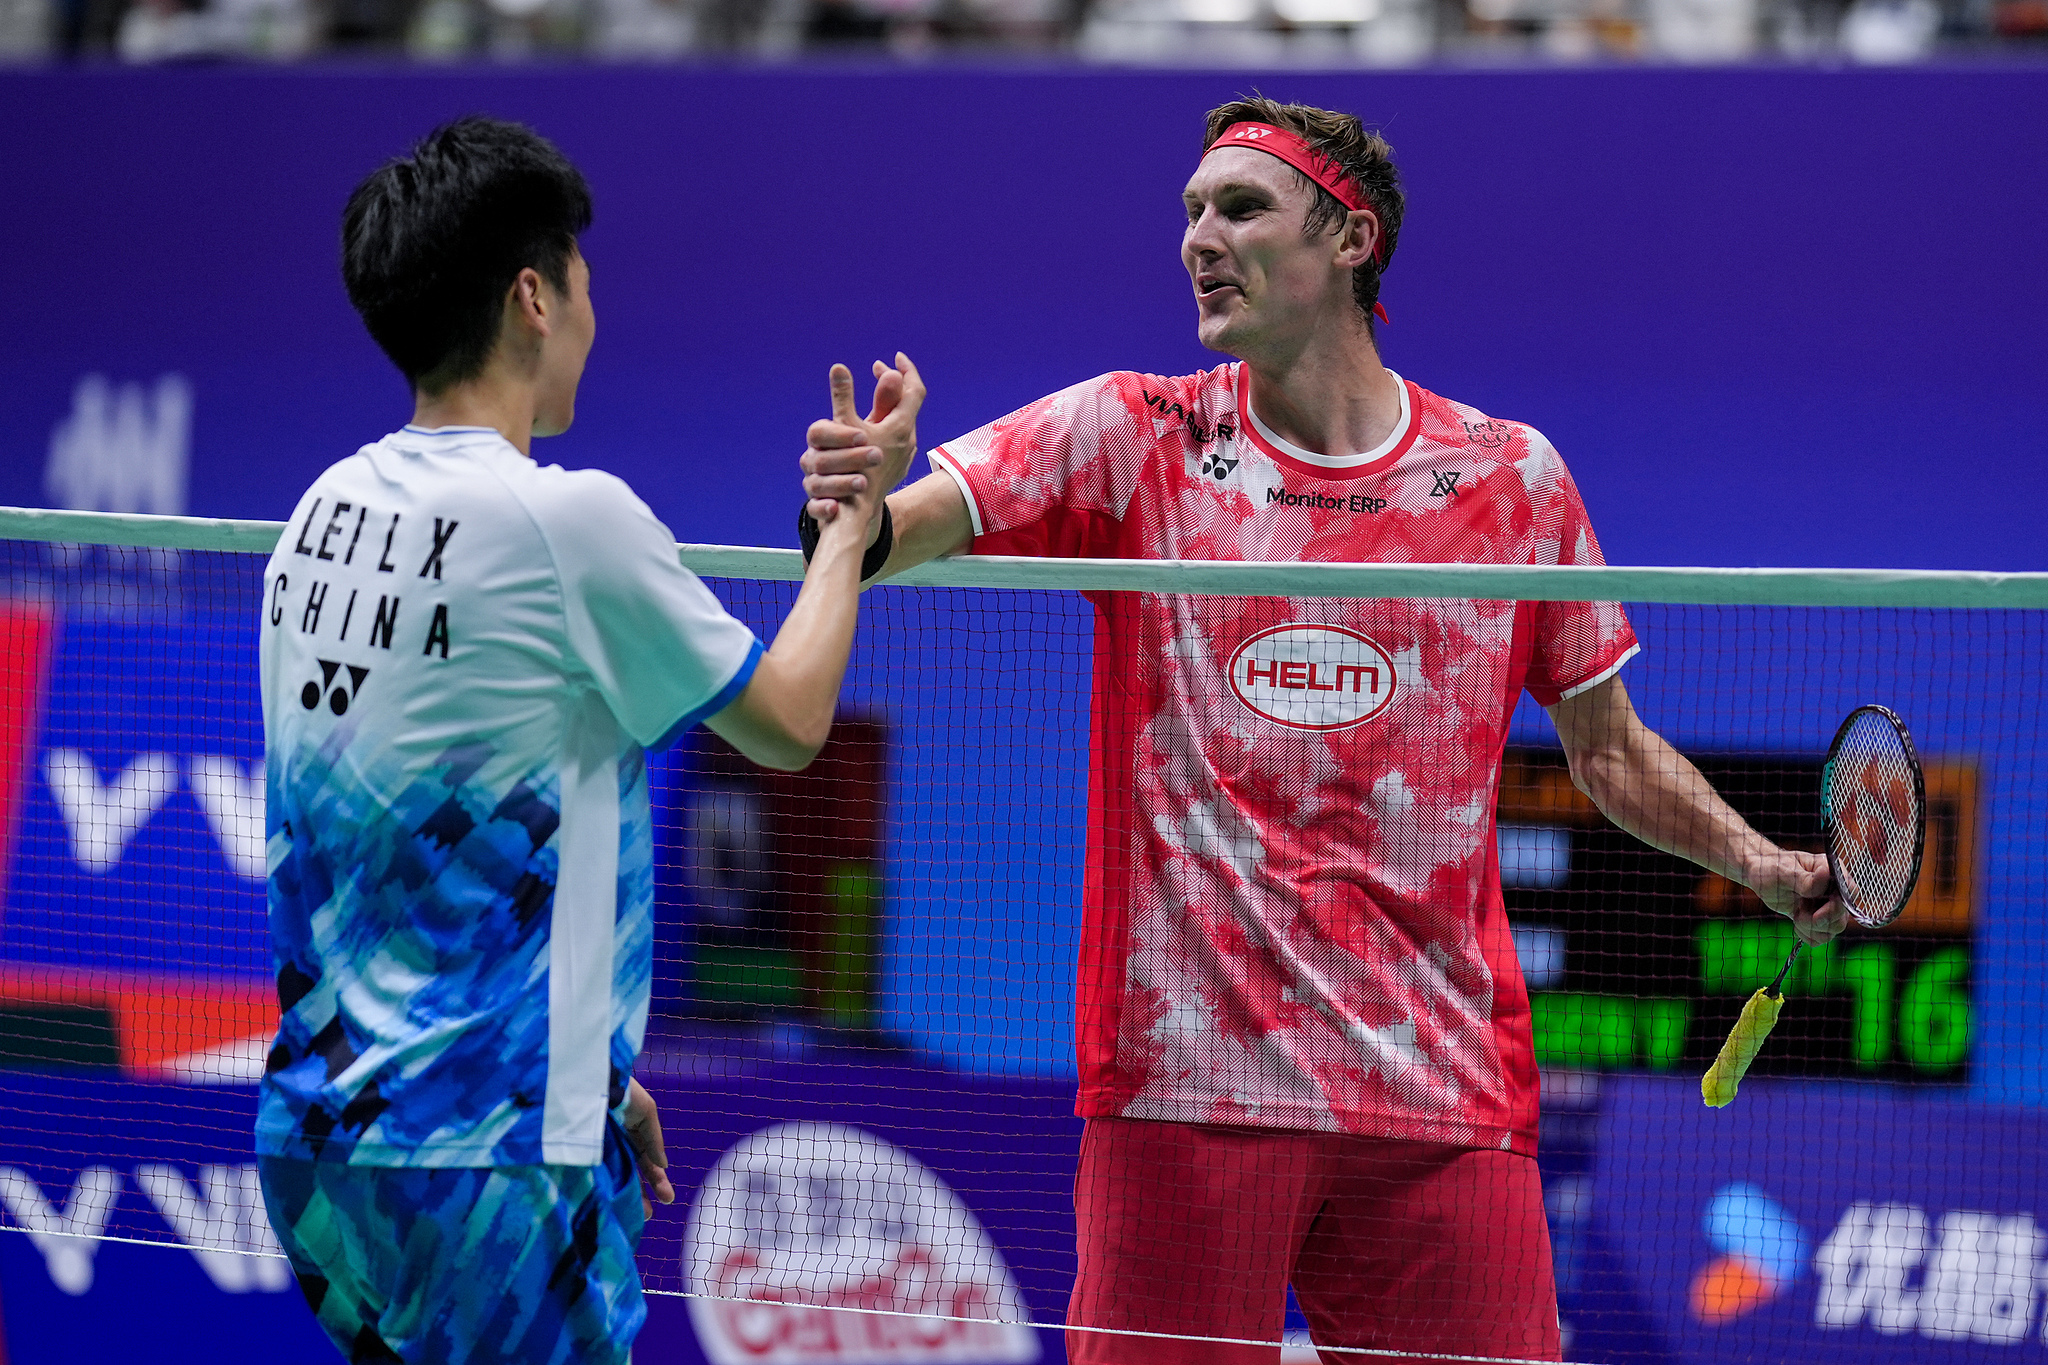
(1745, 1040)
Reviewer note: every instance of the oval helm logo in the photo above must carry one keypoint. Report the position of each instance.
(1313, 677)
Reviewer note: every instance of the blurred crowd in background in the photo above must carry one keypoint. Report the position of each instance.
(1320, 33)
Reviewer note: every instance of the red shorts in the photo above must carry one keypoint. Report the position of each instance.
(1198, 1229)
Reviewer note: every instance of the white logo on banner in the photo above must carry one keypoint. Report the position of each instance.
(103, 816)
(228, 1214)
(1313, 677)
(65, 1238)
(221, 1222)
(233, 801)
(809, 1219)
(1979, 1274)
(123, 449)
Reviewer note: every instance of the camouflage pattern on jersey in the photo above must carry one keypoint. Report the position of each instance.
(384, 1065)
(388, 1257)
(1294, 914)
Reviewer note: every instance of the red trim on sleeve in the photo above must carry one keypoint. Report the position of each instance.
(1625, 648)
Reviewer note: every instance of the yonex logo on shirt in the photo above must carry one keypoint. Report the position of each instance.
(338, 698)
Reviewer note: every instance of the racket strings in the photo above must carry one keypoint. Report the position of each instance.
(1873, 805)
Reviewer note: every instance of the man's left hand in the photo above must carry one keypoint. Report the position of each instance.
(1799, 887)
(643, 1130)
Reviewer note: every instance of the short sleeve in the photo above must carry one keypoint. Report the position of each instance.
(661, 649)
(1575, 645)
(1056, 477)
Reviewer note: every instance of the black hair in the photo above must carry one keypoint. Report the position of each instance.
(431, 241)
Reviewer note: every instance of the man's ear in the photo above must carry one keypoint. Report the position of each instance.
(1356, 237)
(530, 301)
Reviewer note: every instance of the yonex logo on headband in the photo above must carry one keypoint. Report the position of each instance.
(1294, 149)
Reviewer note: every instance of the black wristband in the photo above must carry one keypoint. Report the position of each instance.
(878, 553)
(807, 531)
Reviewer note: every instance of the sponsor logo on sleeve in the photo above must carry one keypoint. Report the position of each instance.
(819, 1242)
(1489, 434)
(1214, 464)
(1313, 677)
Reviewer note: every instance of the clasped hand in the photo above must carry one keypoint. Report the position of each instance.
(855, 460)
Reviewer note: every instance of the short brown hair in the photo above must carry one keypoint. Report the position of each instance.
(1360, 152)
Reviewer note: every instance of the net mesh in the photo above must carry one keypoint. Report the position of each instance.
(1872, 803)
(864, 1025)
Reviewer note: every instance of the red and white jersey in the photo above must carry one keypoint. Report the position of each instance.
(1293, 913)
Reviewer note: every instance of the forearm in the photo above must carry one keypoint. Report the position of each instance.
(930, 520)
(1655, 793)
(784, 716)
(1649, 789)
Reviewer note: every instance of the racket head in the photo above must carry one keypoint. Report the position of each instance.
(1873, 799)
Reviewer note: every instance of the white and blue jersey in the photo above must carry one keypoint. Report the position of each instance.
(463, 655)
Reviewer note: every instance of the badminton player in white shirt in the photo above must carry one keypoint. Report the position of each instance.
(465, 655)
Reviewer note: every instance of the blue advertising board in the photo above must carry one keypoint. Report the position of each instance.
(1823, 1222)
(834, 1211)
(89, 1167)
(1697, 284)
(883, 1178)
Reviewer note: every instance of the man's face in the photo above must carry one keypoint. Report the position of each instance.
(563, 352)
(1259, 285)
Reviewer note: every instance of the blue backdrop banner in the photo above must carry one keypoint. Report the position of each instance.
(1770, 317)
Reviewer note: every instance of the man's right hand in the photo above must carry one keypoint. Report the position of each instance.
(784, 715)
(1799, 886)
(848, 456)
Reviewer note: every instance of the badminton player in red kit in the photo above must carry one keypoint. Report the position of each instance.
(1304, 1042)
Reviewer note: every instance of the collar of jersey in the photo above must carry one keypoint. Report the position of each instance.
(1342, 466)
(454, 431)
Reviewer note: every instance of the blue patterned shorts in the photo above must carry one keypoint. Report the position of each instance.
(465, 1266)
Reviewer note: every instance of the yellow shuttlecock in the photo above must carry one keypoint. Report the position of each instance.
(1745, 1040)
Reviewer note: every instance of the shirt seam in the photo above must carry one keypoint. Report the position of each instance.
(582, 672)
(728, 692)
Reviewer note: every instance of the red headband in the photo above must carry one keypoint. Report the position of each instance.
(1295, 151)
